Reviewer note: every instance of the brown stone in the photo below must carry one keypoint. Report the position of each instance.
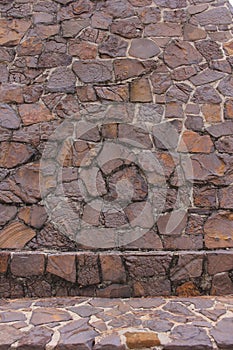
(171, 4)
(194, 143)
(83, 50)
(183, 242)
(212, 113)
(225, 197)
(30, 46)
(141, 340)
(222, 284)
(101, 20)
(160, 82)
(179, 53)
(11, 93)
(223, 129)
(16, 236)
(88, 272)
(86, 93)
(62, 266)
(149, 15)
(140, 214)
(229, 48)
(14, 153)
(62, 79)
(82, 6)
(183, 73)
(112, 341)
(12, 31)
(113, 93)
(45, 31)
(206, 94)
(205, 197)
(25, 265)
(218, 16)
(140, 91)
(128, 68)
(219, 262)
(128, 28)
(54, 59)
(48, 315)
(113, 46)
(163, 30)
(193, 33)
(4, 260)
(225, 144)
(114, 218)
(109, 131)
(226, 86)
(114, 291)
(32, 93)
(228, 111)
(187, 290)
(34, 113)
(209, 49)
(174, 110)
(218, 230)
(112, 268)
(150, 240)
(167, 226)
(143, 48)
(93, 71)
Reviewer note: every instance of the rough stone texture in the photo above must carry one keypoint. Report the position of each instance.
(153, 82)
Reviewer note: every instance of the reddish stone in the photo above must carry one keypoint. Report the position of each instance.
(193, 33)
(149, 15)
(229, 47)
(101, 20)
(179, 53)
(218, 230)
(128, 28)
(128, 68)
(12, 31)
(112, 268)
(228, 110)
(45, 31)
(209, 49)
(205, 197)
(32, 93)
(93, 71)
(62, 266)
(225, 144)
(91, 215)
(187, 290)
(140, 214)
(134, 135)
(25, 265)
(225, 197)
(212, 113)
(119, 8)
(86, 93)
(160, 82)
(30, 46)
(4, 260)
(34, 113)
(114, 218)
(188, 266)
(83, 50)
(16, 236)
(113, 93)
(54, 59)
(194, 143)
(174, 110)
(140, 91)
(141, 340)
(150, 240)
(11, 93)
(219, 262)
(82, 6)
(68, 107)
(167, 226)
(183, 73)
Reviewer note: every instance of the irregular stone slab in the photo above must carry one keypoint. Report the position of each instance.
(179, 53)
(218, 16)
(9, 335)
(163, 30)
(184, 337)
(16, 235)
(12, 31)
(62, 266)
(112, 268)
(205, 77)
(7, 212)
(14, 153)
(112, 341)
(226, 86)
(8, 117)
(11, 316)
(221, 284)
(128, 28)
(194, 143)
(222, 333)
(25, 265)
(11, 93)
(206, 94)
(143, 48)
(36, 338)
(209, 49)
(113, 46)
(93, 71)
(140, 91)
(218, 230)
(62, 79)
(187, 267)
(47, 315)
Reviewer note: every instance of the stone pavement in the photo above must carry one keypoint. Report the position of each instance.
(200, 323)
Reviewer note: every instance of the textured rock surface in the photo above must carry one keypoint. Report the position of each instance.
(115, 134)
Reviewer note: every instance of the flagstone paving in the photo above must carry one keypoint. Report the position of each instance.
(197, 323)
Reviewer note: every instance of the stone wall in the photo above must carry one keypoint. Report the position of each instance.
(116, 124)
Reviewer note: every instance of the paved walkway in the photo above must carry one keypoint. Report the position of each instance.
(200, 323)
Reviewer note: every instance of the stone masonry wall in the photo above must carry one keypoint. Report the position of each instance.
(116, 147)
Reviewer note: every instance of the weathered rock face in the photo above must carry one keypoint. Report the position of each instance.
(116, 132)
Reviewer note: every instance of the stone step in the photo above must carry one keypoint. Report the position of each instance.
(116, 274)
(200, 323)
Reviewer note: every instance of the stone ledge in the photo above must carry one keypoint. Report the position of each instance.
(116, 274)
(201, 323)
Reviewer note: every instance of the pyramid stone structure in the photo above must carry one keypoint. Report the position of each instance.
(116, 147)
